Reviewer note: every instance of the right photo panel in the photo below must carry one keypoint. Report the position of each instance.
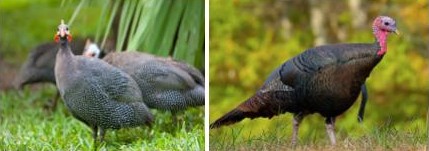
(318, 75)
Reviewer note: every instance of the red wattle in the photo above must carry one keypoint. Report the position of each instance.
(57, 38)
(381, 38)
(69, 37)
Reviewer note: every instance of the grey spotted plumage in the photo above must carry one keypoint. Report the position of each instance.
(165, 84)
(325, 80)
(98, 94)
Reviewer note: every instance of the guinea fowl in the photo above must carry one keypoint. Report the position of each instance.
(96, 93)
(39, 66)
(166, 84)
(325, 80)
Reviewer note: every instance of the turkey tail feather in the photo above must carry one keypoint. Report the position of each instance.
(256, 106)
(231, 117)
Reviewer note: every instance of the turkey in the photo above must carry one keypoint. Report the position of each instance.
(166, 84)
(325, 80)
(39, 66)
(96, 93)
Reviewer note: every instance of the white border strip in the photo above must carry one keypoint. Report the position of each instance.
(206, 74)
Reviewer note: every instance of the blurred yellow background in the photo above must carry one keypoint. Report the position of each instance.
(250, 38)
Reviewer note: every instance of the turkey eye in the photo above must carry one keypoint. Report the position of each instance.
(67, 28)
(386, 23)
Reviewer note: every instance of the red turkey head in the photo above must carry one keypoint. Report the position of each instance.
(385, 23)
(63, 33)
(381, 27)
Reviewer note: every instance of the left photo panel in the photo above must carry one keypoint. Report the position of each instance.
(110, 75)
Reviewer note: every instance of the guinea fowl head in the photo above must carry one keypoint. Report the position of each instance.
(91, 50)
(63, 33)
(381, 26)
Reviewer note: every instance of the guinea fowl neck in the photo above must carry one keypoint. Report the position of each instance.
(380, 39)
(64, 47)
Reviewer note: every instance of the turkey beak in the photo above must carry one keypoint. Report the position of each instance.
(396, 32)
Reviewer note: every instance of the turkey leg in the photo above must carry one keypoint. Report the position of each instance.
(330, 129)
(297, 119)
(363, 103)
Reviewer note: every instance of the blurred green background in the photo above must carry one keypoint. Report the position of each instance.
(167, 28)
(250, 38)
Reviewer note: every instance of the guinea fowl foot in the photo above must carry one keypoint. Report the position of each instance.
(330, 129)
(51, 105)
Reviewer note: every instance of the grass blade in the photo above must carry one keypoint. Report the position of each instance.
(101, 22)
(76, 12)
(109, 24)
(191, 33)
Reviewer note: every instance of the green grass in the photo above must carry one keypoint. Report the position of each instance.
(26, 125)
(384, 137)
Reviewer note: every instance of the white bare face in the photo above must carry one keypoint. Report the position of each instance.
(63, 29)
(91, 50)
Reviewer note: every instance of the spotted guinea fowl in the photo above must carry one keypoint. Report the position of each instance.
(325, 80)
(166, 84)
(39, 66)
(96, 93)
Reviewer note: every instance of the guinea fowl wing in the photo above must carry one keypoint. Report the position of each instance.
(194, 73)
(161, 74)
(117, 85)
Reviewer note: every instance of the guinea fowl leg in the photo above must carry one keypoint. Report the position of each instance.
(330, 129)
(94, 133)
(54, 102)
(297, 119)
(102, 134)
(51, 105)
(177, 117)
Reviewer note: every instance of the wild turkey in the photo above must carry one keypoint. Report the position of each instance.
(96, 93)
(325, 80)
(39, 66)
(166, 84)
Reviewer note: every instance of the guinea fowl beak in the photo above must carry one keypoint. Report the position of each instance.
(396, 32)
